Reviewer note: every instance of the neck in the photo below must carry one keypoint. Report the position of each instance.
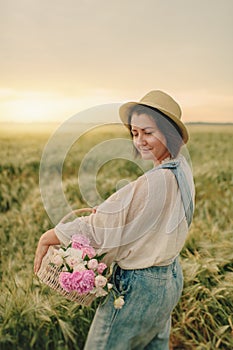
(166, 155)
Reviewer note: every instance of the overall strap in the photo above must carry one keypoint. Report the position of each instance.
(183, 185)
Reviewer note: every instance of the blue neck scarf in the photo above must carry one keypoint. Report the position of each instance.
(183, 185)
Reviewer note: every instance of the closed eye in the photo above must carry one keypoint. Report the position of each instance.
(134, 133)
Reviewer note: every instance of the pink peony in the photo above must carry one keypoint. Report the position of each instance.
(65, 281)
(101, 267)
(83, 281)
(79, 241)
(75, 278)
(89, 251)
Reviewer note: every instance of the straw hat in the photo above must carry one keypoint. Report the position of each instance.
(161, 101)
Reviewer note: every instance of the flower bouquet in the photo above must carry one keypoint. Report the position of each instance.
(76, 271)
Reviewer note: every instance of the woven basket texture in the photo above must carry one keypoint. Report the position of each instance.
(49, 274)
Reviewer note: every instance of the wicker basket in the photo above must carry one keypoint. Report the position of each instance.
(49, 274)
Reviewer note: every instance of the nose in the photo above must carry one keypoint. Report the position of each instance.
(141, 140)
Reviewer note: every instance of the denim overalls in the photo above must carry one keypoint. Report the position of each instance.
(150, 296)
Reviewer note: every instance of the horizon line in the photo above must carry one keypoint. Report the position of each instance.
(80, 122)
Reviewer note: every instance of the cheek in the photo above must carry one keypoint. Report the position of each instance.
(160, 140)
(159, 143)
(135, 143)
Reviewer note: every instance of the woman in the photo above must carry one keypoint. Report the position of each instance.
(142, 228)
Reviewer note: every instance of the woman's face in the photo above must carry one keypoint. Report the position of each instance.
(148, 139)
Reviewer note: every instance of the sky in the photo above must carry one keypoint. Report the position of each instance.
(59, 57)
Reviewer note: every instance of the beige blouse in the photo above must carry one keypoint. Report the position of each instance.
(143, 224)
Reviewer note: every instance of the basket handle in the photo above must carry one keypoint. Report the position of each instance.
(77, 211)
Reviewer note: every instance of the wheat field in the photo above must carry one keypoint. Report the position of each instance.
(34, 317)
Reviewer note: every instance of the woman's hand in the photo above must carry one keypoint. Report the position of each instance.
(47, 239)
(40, 253)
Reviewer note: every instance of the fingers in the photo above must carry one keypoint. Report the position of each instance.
(48, 238)
(40, 253)
(37, 264)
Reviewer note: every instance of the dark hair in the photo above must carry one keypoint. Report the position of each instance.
(166, 125)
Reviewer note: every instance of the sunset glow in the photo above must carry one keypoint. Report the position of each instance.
(58, 58)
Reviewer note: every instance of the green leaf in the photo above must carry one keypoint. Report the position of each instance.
(100, 257)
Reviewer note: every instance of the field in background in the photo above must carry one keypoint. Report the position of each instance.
(33, 317)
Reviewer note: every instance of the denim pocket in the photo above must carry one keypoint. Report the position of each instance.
(122, 280)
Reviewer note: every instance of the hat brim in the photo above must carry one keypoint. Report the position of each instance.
(125, 110)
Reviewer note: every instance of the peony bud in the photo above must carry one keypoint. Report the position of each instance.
(119, 302)
(100, 281)
(92, 264)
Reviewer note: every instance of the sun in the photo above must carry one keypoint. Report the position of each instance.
(31, 107)
(29, 110)
(42, 107)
